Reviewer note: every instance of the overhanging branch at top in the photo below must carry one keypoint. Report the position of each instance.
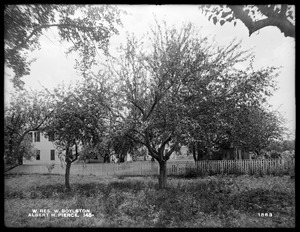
(278, 20)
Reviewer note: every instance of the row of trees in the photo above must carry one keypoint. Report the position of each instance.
(172, 88)
(180, 89)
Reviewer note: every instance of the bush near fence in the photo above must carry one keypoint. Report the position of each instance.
(174, 168)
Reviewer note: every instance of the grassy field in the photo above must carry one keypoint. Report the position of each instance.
(216, 201)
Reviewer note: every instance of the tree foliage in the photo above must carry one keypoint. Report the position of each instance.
(230, 110)
(254, 17)
(27, 111)
(123, 145)
(87, 28)
(13, 151)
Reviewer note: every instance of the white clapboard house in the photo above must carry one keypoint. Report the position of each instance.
(46, 153)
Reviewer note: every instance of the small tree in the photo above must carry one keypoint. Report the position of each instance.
(82, 119)
(25, 149)
(67, 130)
(26, 112)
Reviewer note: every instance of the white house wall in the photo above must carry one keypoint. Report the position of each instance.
(45, 147)
(183, 152)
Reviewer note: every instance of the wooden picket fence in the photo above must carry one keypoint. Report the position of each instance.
(250, 167)
(181, 168)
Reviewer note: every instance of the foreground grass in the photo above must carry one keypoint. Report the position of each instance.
(222, 201)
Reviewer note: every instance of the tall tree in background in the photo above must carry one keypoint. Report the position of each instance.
(245, 119)
(87, 28)
(226, 108)
(254, 17)
(100, 97)
(257, 128)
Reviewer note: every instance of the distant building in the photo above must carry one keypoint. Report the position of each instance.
(97, 158)
(235, 153)
(100, 158)
(46, 152)
(182, 154)
(128, 158)
(232, 153)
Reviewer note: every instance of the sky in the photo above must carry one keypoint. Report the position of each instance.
(269, 45)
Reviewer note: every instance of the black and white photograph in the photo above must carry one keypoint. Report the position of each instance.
(149, 116)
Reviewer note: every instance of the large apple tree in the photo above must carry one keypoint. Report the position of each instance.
(157, 76)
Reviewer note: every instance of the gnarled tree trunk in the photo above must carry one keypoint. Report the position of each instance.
(20, 159)
(67, 176)
(70, 158)
(162, 177)
(68, 167)
(198, 154)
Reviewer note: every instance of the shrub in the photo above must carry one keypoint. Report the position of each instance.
(50, 167)
(191, 173)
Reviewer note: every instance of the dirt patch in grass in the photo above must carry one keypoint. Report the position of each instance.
(217, 201)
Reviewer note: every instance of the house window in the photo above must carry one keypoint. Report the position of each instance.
(31, 136)
(51, 137)
(52, 154)
(38, 155)
(36, 136)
